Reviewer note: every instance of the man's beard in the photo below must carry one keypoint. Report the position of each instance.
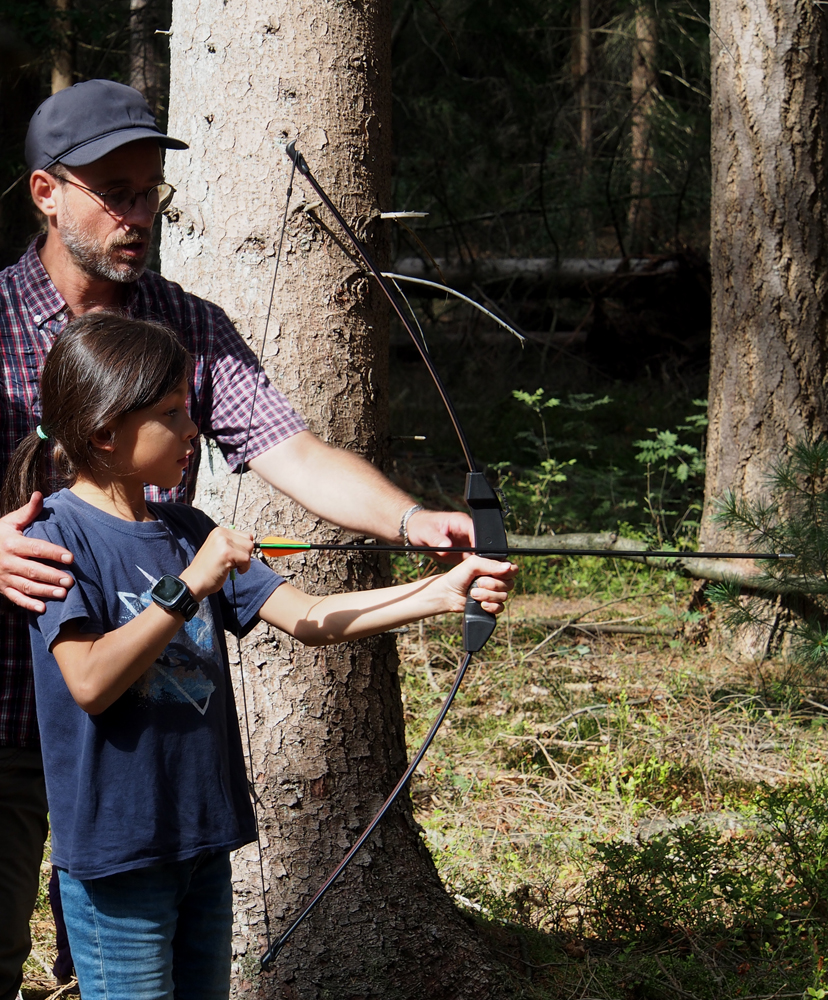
(93, 259)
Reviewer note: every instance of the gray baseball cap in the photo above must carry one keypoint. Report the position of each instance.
(80, 124)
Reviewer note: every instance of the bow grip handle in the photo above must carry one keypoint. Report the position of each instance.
(490, 541)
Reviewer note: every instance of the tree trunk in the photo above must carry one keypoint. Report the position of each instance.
(643, 86)
(581, 70)
(62, 57)
(327, 728)
(769, 254)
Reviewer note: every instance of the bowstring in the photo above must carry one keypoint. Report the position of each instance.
(259, 369)
(260, 362)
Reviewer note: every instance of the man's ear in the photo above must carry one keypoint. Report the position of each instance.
(104, 438)
(43, 187)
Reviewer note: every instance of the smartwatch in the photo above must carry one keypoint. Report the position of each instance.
(173, 594)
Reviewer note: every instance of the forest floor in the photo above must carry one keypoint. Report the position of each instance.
(627, 815)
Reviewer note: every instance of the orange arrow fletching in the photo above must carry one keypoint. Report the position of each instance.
(282, 546)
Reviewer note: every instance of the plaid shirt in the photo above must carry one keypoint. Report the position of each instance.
(32, 314)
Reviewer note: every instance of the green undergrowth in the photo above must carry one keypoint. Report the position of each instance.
(571, 578)
(572, 450)
(626, 815)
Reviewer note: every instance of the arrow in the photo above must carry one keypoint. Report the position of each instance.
(276, 547)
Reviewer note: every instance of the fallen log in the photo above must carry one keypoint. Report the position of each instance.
(696, 566)
(563, 272)
(601, 628)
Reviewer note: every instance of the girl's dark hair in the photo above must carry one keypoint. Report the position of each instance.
(102, 367)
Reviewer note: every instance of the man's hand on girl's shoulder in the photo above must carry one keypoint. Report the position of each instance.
(24, 579)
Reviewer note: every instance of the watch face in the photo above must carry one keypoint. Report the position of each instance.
(168, 589)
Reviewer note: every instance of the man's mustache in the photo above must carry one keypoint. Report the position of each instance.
(134, 235)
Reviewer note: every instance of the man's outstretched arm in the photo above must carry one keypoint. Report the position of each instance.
(346, 490)
(23, 578)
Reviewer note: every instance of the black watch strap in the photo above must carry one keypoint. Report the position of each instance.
(173, 594)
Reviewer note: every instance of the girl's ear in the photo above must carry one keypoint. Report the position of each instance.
(104, 438)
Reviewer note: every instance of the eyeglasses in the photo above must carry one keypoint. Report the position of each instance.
(121, 200)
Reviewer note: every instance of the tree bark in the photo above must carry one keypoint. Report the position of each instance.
(62, 57)
(643, 90)
(769, 253)
(326, 727)
(582, 71)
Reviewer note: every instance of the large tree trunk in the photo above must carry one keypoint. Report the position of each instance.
(769, 254)
(326, 726)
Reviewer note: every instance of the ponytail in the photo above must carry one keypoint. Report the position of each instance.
(30, 469)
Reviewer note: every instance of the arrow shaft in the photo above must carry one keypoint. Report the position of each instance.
(604, 553)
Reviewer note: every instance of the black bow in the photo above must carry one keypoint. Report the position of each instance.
(489, 537)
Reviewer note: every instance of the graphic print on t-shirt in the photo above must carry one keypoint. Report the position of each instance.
(176, 675)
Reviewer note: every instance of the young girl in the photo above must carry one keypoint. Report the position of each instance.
(144, 769)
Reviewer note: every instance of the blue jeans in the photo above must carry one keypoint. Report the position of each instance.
(153, 933)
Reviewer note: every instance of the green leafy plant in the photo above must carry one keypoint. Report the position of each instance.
(797, 819)
(534, 492)
(675, 478)
(686, 880)
(764, 883)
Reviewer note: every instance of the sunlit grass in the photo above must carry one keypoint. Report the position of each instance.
(574, 770)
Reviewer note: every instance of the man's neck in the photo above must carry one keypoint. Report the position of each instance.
(80, 291)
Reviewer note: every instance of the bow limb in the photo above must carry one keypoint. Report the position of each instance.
(484, 505)
(273, 951)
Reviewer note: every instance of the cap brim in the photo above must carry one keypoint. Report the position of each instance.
(94, 149)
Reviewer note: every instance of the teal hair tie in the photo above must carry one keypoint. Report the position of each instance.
(41, 433)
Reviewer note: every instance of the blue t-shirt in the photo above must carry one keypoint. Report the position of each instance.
(159, 775)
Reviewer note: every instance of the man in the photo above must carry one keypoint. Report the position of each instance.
(94, 151)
